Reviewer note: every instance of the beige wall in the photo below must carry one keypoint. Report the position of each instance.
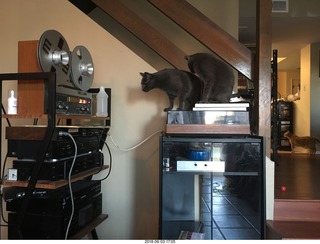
(302, 107)
(217, 11)
(315, 90)
(282, 84)
(131, 192)
(307, 113)
(285, 80)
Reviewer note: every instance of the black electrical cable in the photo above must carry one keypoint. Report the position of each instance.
(99, 137)
(1, 209)
(3, 168)
(1, 179)
(4, 112)
(110, 163)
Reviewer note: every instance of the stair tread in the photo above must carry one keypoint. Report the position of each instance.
(299, 210)
(295, 229)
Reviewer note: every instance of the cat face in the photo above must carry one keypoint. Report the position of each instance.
(146, 81)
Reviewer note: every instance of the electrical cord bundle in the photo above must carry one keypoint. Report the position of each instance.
(122, 149)
(1, 195)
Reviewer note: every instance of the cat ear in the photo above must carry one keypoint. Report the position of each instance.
(145, 74)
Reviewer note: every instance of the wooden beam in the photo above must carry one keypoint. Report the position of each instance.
(262, 89)
(143, 31)
(209, 34)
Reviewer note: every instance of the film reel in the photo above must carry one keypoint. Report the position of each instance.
(81, 68)
(54, 55)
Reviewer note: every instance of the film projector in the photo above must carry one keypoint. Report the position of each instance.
(74, 75)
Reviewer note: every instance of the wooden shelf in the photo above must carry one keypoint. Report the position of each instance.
(65, 121)
(91, 226)
(207, 129)
(58, 116)
(55, 184)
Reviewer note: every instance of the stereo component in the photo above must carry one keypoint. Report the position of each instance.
(58, 169)
(54, 55)
(73, 69)
(23, 141)
(52, 201)
(74, 75)
(50, 226)
(81, 68)
(73, 102)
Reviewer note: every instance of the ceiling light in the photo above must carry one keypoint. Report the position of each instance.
(279, 59)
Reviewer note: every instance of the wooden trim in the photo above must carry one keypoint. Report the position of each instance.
(209, 34)
(262, 81)
(89, 227)
(207, 129)
(45, 184)
(27, 89)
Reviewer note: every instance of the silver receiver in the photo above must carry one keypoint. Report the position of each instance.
(73, 102)
(74, 73)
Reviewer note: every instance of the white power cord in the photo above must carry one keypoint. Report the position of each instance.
(62, 133)
(134, 147)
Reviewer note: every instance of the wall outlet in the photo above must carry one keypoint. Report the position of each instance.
(12, 174)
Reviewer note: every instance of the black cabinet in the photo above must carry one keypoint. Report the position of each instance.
(212, 185)
(285, 123)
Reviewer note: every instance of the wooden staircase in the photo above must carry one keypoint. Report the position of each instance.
(295, 219)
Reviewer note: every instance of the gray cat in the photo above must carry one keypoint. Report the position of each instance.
(217, 76)
(175, 83)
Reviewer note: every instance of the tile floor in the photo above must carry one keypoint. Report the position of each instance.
(225, 214)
